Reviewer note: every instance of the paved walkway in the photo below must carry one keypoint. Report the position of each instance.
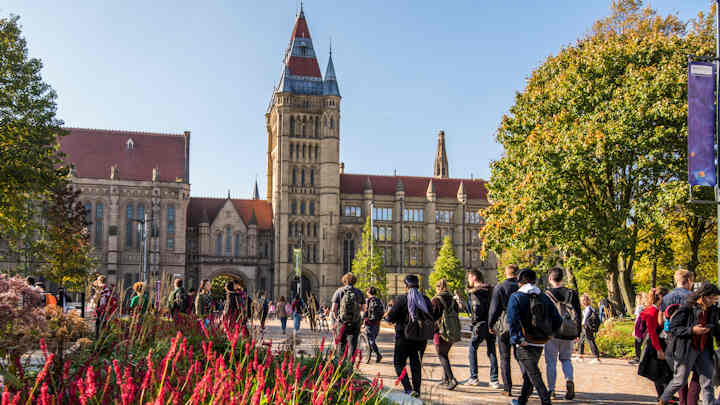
(611, 382)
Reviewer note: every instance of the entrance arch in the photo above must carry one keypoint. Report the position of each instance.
(309, 283)
(235, 275)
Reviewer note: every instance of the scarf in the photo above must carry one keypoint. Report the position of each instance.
(416, 300)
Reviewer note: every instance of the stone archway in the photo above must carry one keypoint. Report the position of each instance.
(310, 283)
(234, 274)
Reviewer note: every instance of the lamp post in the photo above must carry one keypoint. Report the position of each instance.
(143, 227)
(463, 201)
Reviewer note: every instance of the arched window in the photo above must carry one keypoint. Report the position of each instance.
(292, 149)
(317, 124)
(129, 226)
(237, 245)
(293, 207)
(312, 208)
(302, 177)
(316, 152)
(303, 128)
(315, 227)
(302, 207)
(98, 224)
(294, 176)
(140, 216)
(218, 244)
(292, 126)
(228, 241)
(302, 229)
(303, 153)
(171, 227)
(312, 177)
(332, 123)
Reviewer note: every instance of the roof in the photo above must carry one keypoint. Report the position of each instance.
(94, 151)
(199, 206)
(414, 186)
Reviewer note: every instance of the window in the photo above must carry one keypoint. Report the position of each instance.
(312, 177)
(292, 149)
(88, 216)
(382, 233)
(314, 254)
(293, 207)
(171, 227)
(348, 253)
(315, 228)
(312, 208)
(382, 214)
(414, 215)
(292, 126)
(441, 233)
(303, 153)
(443, 217)
(290, 230)
(302, 178)
(473, 217)
(317, 124)
(237, 245)
(302, 207)
(332, 123)
(302, 229)
(130, 144)
(316, 152)
(98, 224)
(141, 217)
(228, 240)
(294, 176)
(352, 211)
(129, 226)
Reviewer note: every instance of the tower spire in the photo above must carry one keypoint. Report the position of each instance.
(301, 71)
(441, 171)
(331, 87)
(256, 192)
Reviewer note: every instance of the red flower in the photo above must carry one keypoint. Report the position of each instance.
(90, 387)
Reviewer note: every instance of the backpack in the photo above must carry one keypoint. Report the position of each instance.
(593, 321)
(421, 328)
(449, 323)
(670, 311)
(375, 309)
(178, 300)
(350, 306)
(540, 327)
(569, 329)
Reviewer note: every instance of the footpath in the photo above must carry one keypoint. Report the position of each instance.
(610, 382)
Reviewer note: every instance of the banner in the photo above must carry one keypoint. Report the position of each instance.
(298, 262)
(701, 124)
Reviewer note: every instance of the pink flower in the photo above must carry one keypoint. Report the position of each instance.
(44, 396)
(90, 387)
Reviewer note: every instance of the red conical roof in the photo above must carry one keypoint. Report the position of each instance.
(301, 59)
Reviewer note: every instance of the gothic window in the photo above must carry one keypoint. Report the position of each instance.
(302, 207)
(171, 227)
(348, 252)
(332, 123)
(129, 226)
(312, 177)
(140, 216)
(317, 124)
(292, 126)
(130, 144)
(218, 244)
(315, 227)
(88, 216)
(303, 128)
(303, 152)
(315, 254)
(316, 152)
(237, 245)
(290, 230)
(302, 177)
(98, 224)
(292, 149)
(294, 176)
(311, 208)
(293, 207)
(228, 240)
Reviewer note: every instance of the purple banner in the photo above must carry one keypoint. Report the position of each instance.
(701, 124)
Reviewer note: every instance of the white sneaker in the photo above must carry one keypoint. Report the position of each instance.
(595, 361)
(577, 359)
(494, 384)
(471, 381)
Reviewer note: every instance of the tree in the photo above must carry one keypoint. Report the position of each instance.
(591, 140)
(448, 266)
(30, 165)
(369, 269)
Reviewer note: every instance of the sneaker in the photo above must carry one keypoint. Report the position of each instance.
(494, 384)
(415, 394)
(577, 359)
(595, 361)
(452, 384)
(570, 394)
(471, 381)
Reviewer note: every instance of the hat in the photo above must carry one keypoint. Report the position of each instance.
(527, 275)
(412, 281)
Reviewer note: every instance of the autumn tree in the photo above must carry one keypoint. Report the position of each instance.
(598, 130)
(448, 266)
(368, 265)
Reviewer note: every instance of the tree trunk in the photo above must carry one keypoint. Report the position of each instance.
(626, 287)
(653, 279)
(613, 286)
(571, 280)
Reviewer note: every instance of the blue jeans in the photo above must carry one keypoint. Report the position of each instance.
(371, 330)
(297, 321)
(479, 334)
(283, 323)
(558, 349)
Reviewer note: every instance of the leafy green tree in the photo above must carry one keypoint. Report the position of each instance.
(30, 165)
(448, 266)
(599, 128)
(369, 268)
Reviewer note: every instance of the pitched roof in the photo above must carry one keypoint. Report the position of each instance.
(94, 151)
(199, 206)
(413, 186)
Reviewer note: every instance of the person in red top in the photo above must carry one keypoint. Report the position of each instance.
(653, 365)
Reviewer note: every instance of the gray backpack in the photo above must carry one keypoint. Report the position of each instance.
(350, 306)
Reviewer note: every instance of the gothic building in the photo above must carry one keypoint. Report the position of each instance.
(312, 204)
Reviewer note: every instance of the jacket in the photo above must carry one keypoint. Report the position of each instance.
(500, 297)
(399, 314)
(681, 330)
(438, 308)
(562, 294)
(479, 300)
(519, 317)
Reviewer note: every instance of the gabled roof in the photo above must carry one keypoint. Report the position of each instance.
(94, 151)
(200, 206)
(413, 186)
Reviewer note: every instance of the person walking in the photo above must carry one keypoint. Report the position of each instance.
(479, 295)
(654, 366)
(498, 323)
(639, 331)
(347, 305)
(203, 302)
(190, 309)
(272, 310)
(178, 299)
(140, 300)
(106, 305)
(263, 307)
(282, 313)
(414, 326)
(560, 346)
(590, 326)
(373, 314)
(445, 308)
(532, 319)
(694, 330)
(233, 304)
(297, 309)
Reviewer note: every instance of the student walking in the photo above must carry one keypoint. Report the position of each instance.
(498, 323)
(654, 366)
(282, 313)
(203, 301)
(445, 308)
(140, 300)
(533, 319)
(590, 326)
(347, 305)
(479, 295)
(694, 330)
(560, 346)
(374, 313)
(263, 307)
(178, 299)
(414, 326)
(297, 310)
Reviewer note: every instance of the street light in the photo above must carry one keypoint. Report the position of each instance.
(142, 226)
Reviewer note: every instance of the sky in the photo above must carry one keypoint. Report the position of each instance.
(406, 70)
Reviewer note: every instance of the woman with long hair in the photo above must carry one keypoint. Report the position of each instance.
(140, 300)
(588, 329)
(653, 365)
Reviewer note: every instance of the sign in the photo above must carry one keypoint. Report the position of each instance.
(701, 124)
(298, 262)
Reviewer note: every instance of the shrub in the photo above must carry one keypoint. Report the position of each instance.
(22, 319)
(615, 339)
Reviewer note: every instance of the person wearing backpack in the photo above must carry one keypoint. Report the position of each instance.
(532, 319)
(560, 347)
(590, 327)
(414, 326)
(445, 309)
(178, 299)
(498, 323)
(479, 295)
(373, 314)
(347, 304)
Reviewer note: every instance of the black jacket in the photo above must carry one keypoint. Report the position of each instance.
(399, 314)
(500, 296)
(681, 330)
(561, 294)
(479, 299)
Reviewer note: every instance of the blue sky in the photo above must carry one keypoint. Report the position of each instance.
(406, 69)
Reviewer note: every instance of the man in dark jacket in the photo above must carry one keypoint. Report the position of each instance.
(479, 302)
(498, 306)
(528, 338)
(693, 330)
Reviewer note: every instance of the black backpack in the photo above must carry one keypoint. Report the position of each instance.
(375, 309)
(592, 323)
(421, 328)
(540, 328)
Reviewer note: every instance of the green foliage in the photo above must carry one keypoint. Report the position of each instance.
(448, 266)
(615, 339)
(369, 270)
(217, 287)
